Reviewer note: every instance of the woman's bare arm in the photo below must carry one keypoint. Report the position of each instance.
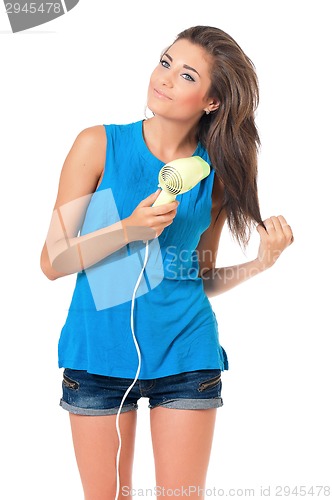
(217, 280)
(273, 240)
(64, 252)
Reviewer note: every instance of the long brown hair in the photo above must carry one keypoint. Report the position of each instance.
(229, 134)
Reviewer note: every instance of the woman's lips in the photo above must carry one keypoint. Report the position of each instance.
(160, 94)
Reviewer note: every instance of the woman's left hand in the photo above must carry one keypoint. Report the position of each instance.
(277, 236)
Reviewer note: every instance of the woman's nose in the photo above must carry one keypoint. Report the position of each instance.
(167, 80)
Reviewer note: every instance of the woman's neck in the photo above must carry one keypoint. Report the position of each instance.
(169, 140)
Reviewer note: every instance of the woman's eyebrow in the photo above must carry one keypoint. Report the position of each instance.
(185, 65)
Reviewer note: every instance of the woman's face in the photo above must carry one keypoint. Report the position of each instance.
(179, 85)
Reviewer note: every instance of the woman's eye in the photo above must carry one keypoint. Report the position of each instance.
(190, 78)
(186, 76)
(164, 63)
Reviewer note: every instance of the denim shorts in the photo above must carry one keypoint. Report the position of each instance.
(85, 393)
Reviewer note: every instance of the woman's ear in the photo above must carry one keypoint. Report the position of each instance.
(213, 105)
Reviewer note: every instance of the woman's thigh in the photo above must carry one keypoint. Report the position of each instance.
(93, 402)
(182, 419)
(182, 442)
(96, 446)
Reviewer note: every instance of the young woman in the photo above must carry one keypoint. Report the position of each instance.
(203, 95)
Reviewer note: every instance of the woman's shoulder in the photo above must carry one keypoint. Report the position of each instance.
(93, 136)
(92, 142)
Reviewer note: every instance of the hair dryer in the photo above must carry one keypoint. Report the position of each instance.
(179, 176)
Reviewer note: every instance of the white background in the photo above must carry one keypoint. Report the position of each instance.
(91, 66)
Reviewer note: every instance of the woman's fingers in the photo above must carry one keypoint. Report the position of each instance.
(274, 239)
(277, 227)
(261, 230)
(287, 230)
(282, 228)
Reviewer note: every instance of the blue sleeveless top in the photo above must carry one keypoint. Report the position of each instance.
(174, 324)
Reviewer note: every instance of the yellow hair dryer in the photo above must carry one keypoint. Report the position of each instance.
(179, 176)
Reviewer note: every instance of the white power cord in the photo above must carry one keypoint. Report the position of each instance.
(136, 376)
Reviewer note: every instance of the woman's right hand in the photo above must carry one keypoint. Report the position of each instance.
(147, 222)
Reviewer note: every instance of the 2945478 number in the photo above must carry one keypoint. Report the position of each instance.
(311, 491)
(30, 8)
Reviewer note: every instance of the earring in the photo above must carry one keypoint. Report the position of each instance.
(207, 111)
